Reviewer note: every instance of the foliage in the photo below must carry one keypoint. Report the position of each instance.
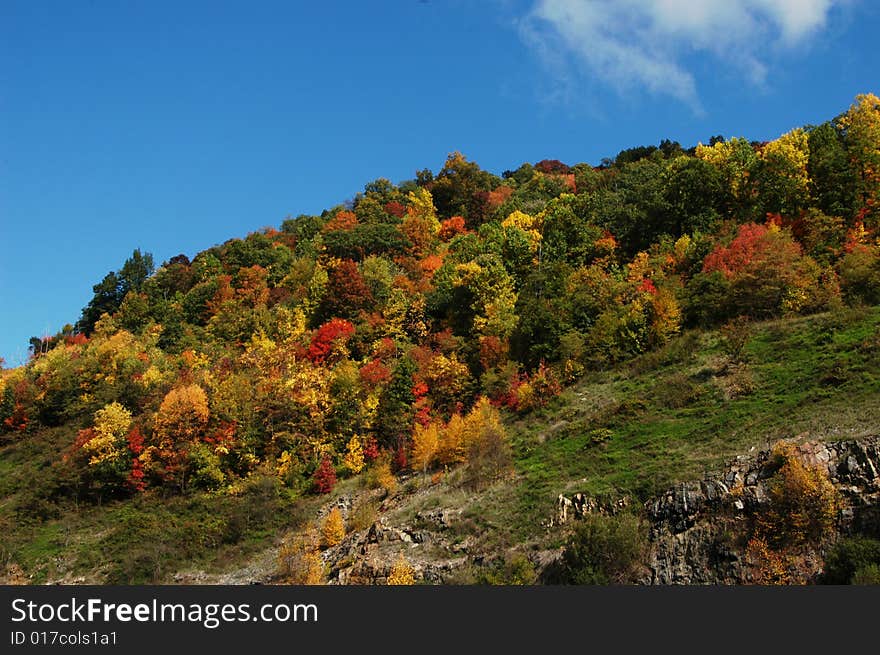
(324, 478)
(299, 560)
(848, 558)
(603, 550)
(333, 528)
(354, 456)
(401, 572)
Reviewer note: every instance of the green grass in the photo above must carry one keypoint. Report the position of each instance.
(667, 418)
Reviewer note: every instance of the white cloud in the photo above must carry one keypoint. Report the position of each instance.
(642, 43)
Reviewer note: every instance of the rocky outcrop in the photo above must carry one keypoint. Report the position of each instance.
(366, 558)
(697, 528)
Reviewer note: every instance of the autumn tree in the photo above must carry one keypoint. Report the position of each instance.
(347, 293)
(767, 271)
(179, 423)
(333, 528)
(324, 478)
(735, 160)
(860, 126)
(354, 456)
(488, 450)
(782, 177)
(426, 443)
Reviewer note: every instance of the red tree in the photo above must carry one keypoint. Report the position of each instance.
(325, 476)
(326, 336)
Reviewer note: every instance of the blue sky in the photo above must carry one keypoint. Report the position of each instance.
(173, 126)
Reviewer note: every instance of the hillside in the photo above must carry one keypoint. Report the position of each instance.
(443, 358)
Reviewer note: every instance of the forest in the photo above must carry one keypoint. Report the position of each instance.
(400, 331)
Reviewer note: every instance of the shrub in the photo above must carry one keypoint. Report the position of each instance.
(401, 572)
(514, 570)
(850, 556)
(362, 516)
(803, 502)
(379, 476)
(735, 335)
(868, 575)
(604, 550)
(299, 561)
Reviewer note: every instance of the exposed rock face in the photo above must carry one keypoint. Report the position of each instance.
(696, 528)
(366, 558)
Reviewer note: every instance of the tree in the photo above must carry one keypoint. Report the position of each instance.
(347, 292)
(181, 420)
(324, 478)
(329, 338)
(354, 456)
(488, 449)
(767, 271)
(395, 413)
(111, 291)
(333, 528)
(183, 414)
(426, 442)
(105, 301)
(860, 126)
(781, 174)
(110, 427)
(831, 179)
(457, 187)
(134, 272)
(299, 561)
(735, 160)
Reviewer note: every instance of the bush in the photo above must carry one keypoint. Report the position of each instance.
(849, 557)
(735, 335)
(363, 515)
(803, 502)
(379, 476)
(868, 575)
(514, 570)
(603, 550)
(324, 478)
(860, 275)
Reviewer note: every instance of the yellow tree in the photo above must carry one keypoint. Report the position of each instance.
(735, 159)
(182, 415)
(354, 456)
(333, 528)
(421, 225)
(452, 448)
(488, 448)
(180, 421)
(111, 425)
(783, 178)
(426, 442)
(861, 128)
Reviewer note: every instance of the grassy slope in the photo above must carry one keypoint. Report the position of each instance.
(667, 416)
